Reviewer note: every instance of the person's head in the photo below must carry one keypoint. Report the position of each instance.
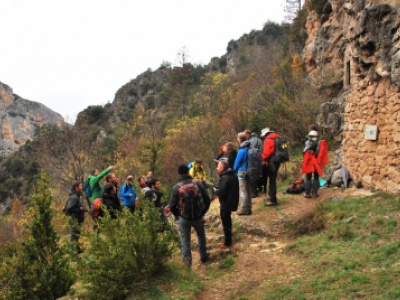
(110, 189)
(150, 174)
(198, 163)
(183, 170)
(157, 185)
(142, 180)
(229, 147)
(313, 135)
(76, 186)
(247, 133)
(241, 137)
(151, 183)
(95, 172)
(129, 179)
(265, 132)
(112, 178)
(222, 166)
(313, 127)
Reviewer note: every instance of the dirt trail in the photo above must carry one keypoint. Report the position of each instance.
(259, 240)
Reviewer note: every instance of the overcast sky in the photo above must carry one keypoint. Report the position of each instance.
(69, 54)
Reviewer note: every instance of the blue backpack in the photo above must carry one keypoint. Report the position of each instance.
(86, 188)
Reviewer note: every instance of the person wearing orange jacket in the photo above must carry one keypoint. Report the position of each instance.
(314, 159)
(271, 167)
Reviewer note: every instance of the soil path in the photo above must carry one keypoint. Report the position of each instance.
(259, 240)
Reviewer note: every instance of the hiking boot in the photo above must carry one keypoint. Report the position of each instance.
(315, 195)
(307, 196)
(242, 213)
(225, 247)
(187, 260)
(205, 258)
(270, 203)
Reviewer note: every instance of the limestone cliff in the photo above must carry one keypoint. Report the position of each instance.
(19, 119)
(353, 55)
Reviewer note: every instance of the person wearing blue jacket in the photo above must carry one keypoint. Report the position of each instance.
(240, 167)
(128, 194)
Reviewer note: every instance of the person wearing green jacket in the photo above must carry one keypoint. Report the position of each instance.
(96, 187)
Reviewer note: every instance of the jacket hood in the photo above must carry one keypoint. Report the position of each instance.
(245, 144)
(272, 136)
(228, 172)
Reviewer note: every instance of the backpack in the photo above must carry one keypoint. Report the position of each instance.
(65, 209)
(86, 188)
(95, 209)
(254, 162)
(297, 187)
(191, 203)
(281, 153)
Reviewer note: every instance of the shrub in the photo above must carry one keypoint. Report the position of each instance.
(39, 268)
(126, 251)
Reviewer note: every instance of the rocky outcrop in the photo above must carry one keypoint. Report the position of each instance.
(19, 119)
(353, 54)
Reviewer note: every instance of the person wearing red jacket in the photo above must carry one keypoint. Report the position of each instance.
(314, 159)
(271, 167)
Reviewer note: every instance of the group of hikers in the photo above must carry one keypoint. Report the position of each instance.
(241, 174)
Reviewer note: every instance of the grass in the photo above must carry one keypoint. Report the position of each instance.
(348, 260)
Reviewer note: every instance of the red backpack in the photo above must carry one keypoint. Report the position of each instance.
(95, 208)
(297, 187)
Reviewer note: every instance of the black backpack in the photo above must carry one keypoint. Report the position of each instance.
(281, 153)
(191, 203)
(65, 209)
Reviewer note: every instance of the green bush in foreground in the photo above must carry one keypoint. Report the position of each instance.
(39, 268)
(125, 252)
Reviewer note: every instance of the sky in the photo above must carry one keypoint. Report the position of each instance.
(69, 54)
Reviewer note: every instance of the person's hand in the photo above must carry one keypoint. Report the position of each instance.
(130, 195)
(111, 167)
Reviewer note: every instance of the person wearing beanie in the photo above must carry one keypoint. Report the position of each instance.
(178, 200)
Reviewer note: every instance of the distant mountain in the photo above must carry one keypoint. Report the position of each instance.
(19, 119)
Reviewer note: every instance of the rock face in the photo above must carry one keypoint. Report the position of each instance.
(19, 119)
(353, 54)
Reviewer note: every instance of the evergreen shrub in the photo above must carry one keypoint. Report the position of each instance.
(124, 252)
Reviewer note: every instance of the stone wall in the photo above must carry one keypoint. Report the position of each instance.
(357, 48)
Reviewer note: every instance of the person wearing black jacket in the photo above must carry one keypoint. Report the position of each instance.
(228, 193)
(110, 200)
(185, 223)
(77, 211)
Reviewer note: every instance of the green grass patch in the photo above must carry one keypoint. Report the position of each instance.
(355, 256)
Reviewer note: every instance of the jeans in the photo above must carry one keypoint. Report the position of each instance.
(244, 196)
(227, 225)
(185, 227)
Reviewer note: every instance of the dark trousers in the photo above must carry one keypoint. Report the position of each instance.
(271, 175)
(312, 185)
(227, 225)
(75, 234)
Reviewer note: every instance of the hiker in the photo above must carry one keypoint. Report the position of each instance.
(142, 184)
(271, 167)
(128, 194)
(112, 178)
(255, 150)
(231, 153)
(240, 167)
(149, 176)
(228, 193)
(110, 200)
(154, 195)
(188, 217)
(96, 187)
(315, 157)
(77, 211)
(197, 172)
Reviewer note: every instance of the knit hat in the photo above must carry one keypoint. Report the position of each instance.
(265, 131)
(183, 170)
(313, 133)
